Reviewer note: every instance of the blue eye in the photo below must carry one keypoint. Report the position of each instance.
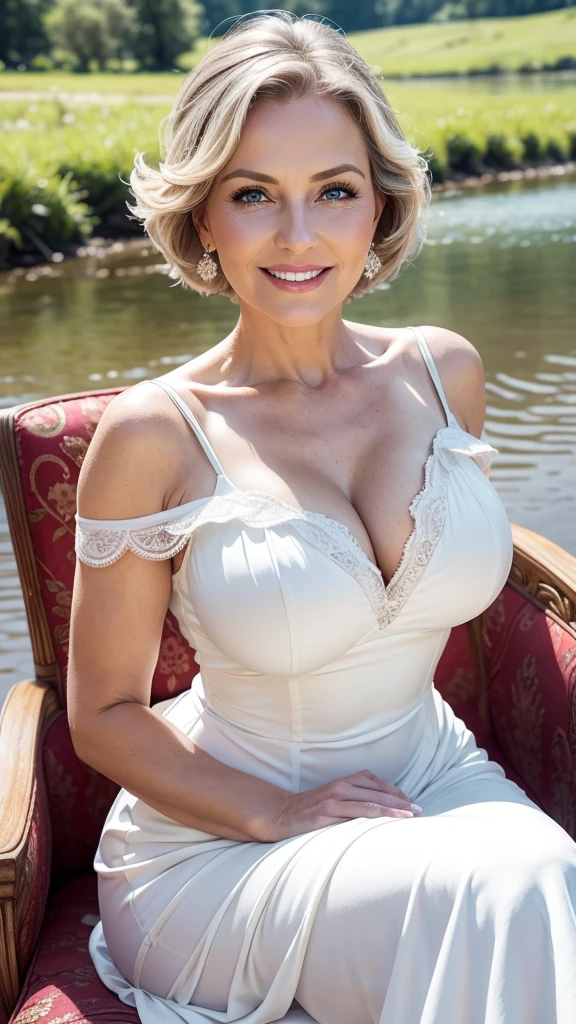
(249, 192)
(243, 194)
(340, 186)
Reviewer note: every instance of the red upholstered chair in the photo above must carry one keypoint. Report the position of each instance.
(510, 674)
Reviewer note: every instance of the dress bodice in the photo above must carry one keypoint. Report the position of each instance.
(289, 615)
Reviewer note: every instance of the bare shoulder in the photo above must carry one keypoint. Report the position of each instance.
(461, 371)
(133, 459)
(458, 362)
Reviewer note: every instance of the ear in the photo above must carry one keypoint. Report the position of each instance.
(201, 225)
(379, 202)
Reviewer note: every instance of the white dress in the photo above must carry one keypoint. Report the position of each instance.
(311, 669)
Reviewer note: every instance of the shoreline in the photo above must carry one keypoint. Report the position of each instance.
(516, 174)
(564, 74)
(100, 243)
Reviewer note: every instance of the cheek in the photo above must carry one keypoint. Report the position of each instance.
(244, 228)
(348, 227)
(241, 240)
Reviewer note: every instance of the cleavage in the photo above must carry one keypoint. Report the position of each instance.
(354, 524)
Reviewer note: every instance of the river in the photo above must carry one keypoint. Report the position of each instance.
(499, 267)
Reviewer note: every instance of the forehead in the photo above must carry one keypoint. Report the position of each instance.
(308, 134)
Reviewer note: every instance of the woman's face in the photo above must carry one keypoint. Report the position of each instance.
(286, 201)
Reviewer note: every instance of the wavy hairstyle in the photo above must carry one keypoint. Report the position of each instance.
(275, 54)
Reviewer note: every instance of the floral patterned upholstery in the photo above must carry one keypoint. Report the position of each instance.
(79, 799)
(517, 708)
(530, 661)
(459, 682)
(62, 986)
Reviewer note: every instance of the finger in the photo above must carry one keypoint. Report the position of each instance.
(369, 809)
(381, 792)
(371, 781)
(388, 787)
(382, 799)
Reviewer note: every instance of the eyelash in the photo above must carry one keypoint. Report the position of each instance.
(352, 192)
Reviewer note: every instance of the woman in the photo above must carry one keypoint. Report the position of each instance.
(310, 826)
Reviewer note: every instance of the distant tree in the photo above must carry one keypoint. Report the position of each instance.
(22, 33)
(92, 30)
(356, 17)
(217, 12)
(479, 8)
(165, 29)
(405, 12)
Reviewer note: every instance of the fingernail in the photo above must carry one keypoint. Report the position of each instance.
(415, 807)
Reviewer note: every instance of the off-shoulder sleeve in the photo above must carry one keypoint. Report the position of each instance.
(100, 542)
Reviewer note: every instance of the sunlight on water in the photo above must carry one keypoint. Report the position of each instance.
(512, 219)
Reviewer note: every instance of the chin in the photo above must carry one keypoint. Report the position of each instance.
(299, 317)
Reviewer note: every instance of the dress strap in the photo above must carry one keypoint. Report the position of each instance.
(428, 359)
(191, 419)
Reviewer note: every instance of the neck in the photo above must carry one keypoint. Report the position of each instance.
(262, 351)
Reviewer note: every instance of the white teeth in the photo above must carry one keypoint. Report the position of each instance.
(290, 276)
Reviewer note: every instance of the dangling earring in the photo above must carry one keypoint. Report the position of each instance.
(207, 267)
(373, 262)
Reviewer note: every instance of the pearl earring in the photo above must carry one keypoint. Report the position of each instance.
(207, 268)
(373, 262)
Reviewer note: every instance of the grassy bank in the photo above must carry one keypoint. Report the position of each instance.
(529, 43)
(63, 158)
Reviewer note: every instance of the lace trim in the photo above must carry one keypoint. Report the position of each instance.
(338, 543)
(428, 508)
(101, 547)
(97, 546)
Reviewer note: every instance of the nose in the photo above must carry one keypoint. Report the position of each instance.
(296, 230)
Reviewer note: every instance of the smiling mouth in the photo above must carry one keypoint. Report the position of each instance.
(307, 275)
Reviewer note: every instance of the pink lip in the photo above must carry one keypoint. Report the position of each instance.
(297, 286)
(288, 268)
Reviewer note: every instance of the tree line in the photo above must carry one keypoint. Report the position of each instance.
(83, 35)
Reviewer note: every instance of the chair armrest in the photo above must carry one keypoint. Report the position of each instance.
(25, 836)
(546, 572)
(528, 638)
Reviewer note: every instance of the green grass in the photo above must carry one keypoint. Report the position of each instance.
(125, 85)
(470, 46)
(460, 47)
(78, 133)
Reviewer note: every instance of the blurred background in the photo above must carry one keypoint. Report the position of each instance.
(485, 88)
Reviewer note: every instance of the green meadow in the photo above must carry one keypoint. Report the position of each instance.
(68, 140)
(526, 43)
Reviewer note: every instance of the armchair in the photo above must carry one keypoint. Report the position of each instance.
(510, 674)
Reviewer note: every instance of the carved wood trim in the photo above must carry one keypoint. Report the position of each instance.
(9, 981)
(11, 486)
(546, 574)
(28, 706)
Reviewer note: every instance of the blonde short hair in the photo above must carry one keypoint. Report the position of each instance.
(286, 57)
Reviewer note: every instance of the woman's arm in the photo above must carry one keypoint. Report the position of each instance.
(117, 617)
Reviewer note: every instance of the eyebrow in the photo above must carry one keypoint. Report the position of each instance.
(258, 176)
